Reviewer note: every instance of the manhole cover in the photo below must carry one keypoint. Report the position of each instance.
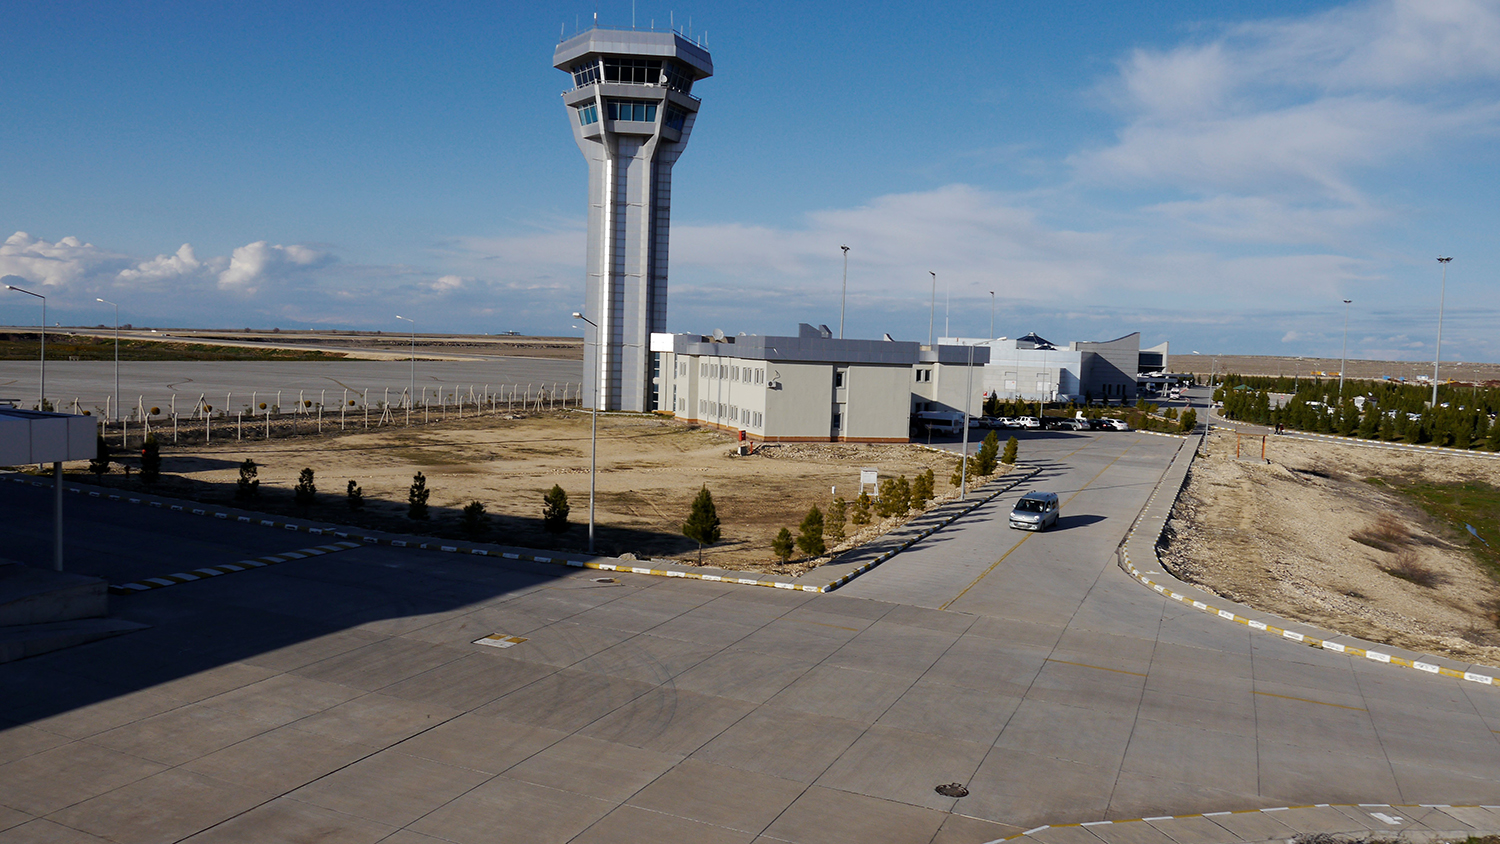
(952, 789)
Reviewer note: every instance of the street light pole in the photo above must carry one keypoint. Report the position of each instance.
(843, 297)
(1438, 355)
(1344, 357)
(42, 402)
(593, 433)
(117, 357)
(992, 314)
(932, 311)
(411, 394)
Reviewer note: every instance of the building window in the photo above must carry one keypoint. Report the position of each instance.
(924, 375)
(676, 77)
(636, 110)
(675, 117)
(588, 114)
(585, 73)
(632, 71)
(758, 418)
(838, 379)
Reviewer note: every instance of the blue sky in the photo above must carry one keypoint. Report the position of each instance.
(1220, 175)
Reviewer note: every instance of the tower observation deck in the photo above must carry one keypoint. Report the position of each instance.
(632, 109)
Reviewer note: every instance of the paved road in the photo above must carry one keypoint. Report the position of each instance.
(155, 382)
(342, 697)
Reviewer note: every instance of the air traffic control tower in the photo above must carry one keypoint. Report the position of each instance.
(632, 109)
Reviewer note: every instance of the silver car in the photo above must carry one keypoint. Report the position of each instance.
(1035, 511)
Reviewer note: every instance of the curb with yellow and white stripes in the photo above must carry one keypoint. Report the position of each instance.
(1402, 820)
(350, 539)
(1364, 650)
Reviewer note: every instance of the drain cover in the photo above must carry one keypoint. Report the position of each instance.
(952, 789)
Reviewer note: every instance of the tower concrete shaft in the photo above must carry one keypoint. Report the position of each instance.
(632, 110)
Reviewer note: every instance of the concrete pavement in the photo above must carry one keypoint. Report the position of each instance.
(342, 698)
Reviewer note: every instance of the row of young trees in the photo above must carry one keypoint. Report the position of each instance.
(896, 497)
(1464, 418)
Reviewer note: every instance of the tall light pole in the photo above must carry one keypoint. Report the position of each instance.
(932, 312)
(593, 433)
(42, 402)
(992, 314)
(1344, 356)
(845, 295)
(117, 355)
(1439, 354)
(411, 389)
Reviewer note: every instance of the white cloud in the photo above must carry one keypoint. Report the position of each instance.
(60, 264)
(258, 262)
(182, 264)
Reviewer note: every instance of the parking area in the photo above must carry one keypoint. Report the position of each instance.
(345, 697)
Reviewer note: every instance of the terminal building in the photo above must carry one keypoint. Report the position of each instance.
(1031, 368)
(812, 387)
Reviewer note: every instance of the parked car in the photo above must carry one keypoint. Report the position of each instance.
(1072, 424)
(1035, 511)
(1028, 422)
(1115, 425)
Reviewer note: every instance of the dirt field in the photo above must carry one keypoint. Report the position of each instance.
(1308, 537)
(649, 472)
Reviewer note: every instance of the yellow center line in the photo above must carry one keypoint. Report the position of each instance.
(1100, 667)
(1310, 700)
(986, 572)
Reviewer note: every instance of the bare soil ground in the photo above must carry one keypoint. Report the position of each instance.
(1306, 536)
(649, 471)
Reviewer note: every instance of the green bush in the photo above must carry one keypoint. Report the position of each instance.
(474, 517)
(833, 521)
(984, 461)
(922, 489)
(248, 486)
(416, 498)
(861, 510)
(781, 546)
(305, 493)
(895, 497)
(555, 510)
(100, 462)
(810, 536)
(1012, 449)
(354, 496)
(702, 525)
(1189, 420)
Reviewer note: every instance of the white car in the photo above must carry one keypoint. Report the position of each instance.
(1028, 422)
(1115, 425)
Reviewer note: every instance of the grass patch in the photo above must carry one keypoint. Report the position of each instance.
(1459, 504)
(67, 347)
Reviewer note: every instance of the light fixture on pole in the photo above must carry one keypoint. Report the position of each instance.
(932, 311)
(42, 402)
(1438, 355)
(117, 355)
(845, 294)
(411, 394)
(1344, 356)
(593, 434)
(992, 314)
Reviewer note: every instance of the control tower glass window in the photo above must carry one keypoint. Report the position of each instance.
(632, 110)
(675, 117)
(588, 114)
(632, 71)
(676, 77)
(586, 73)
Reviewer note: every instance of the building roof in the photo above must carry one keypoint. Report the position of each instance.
(630, 42)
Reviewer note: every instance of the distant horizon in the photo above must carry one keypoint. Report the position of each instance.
(1215, 176)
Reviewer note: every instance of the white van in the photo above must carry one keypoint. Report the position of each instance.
(942, 421)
